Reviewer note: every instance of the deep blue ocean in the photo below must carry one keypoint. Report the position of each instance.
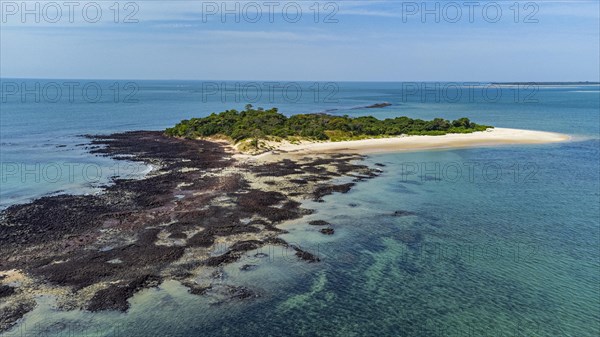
(495, 241)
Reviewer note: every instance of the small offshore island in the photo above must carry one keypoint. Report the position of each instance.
(261, 134)
(255, 130)
(226, 180)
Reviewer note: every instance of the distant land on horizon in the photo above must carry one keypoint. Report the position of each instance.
(284, 80)
(548, 83)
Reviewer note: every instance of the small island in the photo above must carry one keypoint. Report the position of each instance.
(251, 127)
(229, 180)
(378, 105)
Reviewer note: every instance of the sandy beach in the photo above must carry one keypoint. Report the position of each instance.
(491, 137)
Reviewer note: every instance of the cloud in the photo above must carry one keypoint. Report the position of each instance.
(370, 42)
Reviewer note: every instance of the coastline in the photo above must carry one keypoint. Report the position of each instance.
(94, 252)
(490, 137)
(166, 225)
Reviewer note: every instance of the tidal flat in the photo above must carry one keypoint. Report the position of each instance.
(200, 209)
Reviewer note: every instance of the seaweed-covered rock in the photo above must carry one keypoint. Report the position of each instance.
(248, 267)
(319, 223)
(115, 296)
(6, 291)
(327, 231)
(10, 314)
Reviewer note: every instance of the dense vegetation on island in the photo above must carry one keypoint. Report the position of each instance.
(260, 124)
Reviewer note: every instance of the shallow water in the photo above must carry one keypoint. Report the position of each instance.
(40, 134)
(495, 241)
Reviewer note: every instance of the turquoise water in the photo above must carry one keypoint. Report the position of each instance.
(42, 120)
(494, 242)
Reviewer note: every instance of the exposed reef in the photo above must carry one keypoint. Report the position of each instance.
(198, 210)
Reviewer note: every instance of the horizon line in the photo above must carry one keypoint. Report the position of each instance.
(287, 80)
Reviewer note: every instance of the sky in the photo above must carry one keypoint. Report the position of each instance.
(302, 40)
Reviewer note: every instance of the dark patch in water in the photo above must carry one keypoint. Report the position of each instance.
(404, 190)
(304, 255)
(409, 267)
(327, 231)
(319, 223)
(322, 191)
(248, 267)
(409, 237)
(412, 182)
(401, 213)
(430, 178)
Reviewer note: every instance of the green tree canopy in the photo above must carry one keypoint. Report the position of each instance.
(261, 123)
